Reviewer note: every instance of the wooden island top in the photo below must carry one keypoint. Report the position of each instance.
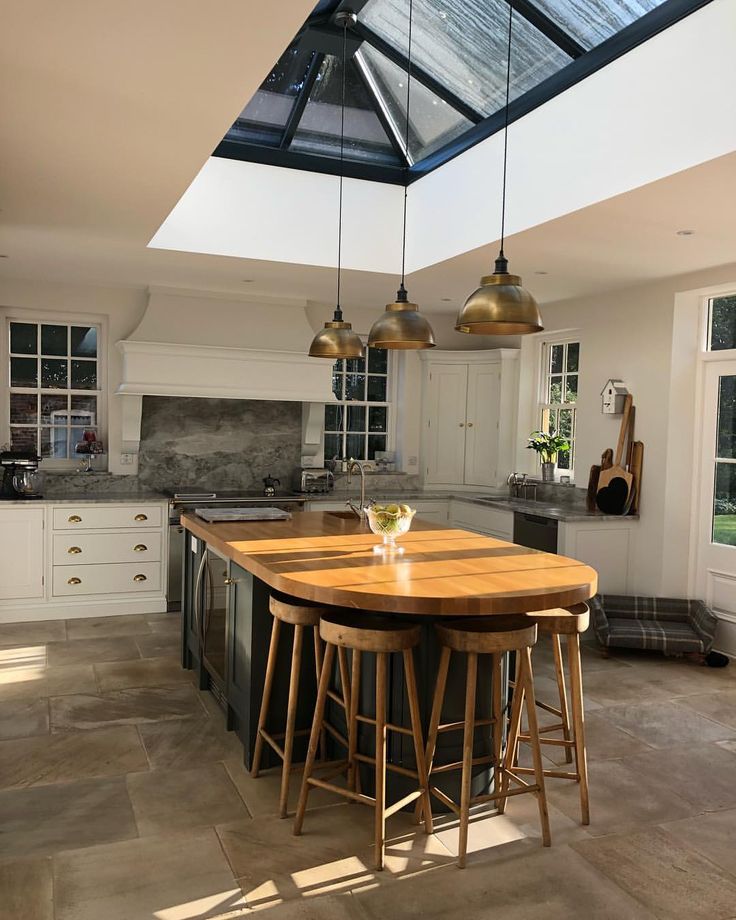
(327, 557)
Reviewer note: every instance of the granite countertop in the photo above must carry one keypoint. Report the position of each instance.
(86, 498)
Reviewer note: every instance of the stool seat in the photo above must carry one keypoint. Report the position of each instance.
(368, 632)
(486, 635)
(294, 610)
(562, 621)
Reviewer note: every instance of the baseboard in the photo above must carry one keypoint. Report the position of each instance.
(75, 609)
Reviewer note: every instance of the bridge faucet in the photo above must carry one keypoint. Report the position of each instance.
(360, 510)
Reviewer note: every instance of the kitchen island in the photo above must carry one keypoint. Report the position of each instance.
(327, 558)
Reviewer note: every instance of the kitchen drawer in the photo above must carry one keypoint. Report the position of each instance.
(104, 517)
(482, 518)
(107, 578)
(91, 549)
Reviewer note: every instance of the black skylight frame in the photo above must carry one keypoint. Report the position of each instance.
(321, 27)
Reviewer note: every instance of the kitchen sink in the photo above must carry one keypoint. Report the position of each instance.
(344, 515)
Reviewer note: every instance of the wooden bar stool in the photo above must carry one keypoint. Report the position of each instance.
(494, 636)
(301, 615)
(569, 622)
(382, 636)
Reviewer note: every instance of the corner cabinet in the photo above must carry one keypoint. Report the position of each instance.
(469, 402)
(21, 552)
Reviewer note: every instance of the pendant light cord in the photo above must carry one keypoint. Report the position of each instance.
(406, 145)
(506, 132)
(338, 309)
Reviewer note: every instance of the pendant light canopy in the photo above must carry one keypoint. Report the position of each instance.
(337, 339)
(501, 306)
(402, 326)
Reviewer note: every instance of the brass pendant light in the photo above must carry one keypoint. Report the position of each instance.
(402, 326)
(337, 339)
(501, 306)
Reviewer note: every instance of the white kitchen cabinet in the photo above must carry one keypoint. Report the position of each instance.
(494, 522)
(21, 552)
(606, 546)
(469, 416)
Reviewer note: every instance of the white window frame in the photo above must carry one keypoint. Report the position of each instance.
(544, 406)
(63, 319)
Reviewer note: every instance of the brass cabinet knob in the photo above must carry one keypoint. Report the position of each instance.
(139, 578)
(74, 550)
(462, 424)
(229, 581)
(470, 424)
(74, 581)
(141, 517)
(75, 519)
(140, 548)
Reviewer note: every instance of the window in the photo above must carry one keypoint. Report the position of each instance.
(54, 386)
(357, 425)
(560, 361)
(722, 323)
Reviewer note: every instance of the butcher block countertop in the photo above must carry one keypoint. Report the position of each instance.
(327, 557)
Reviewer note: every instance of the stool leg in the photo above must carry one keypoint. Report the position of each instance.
(296, 660)
(578, 716)
(319, 711)
(512, 741)
(468, 736)
(497, 715)
(380, 815)
(564, 711)
(353, 765)
(434, 720)
(266, 699)
(318, 671)
(531, 714)
(342, 658)
(416, 730)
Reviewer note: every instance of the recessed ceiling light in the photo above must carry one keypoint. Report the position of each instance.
(4, 256)
(447, 299)
(685, 232)
(541, 273)
(247, 281)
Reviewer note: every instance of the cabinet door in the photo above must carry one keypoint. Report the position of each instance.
(445, 422)
(21, 552)
(481, 428)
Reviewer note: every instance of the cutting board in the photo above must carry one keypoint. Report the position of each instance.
(614, 484)
(595, 472)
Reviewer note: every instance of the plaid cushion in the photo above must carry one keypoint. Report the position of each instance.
(668, 624)
(660, 635)
(600, 620)
(646, 608)
(704, 622)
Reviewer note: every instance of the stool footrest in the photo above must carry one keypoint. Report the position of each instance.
(397, 806)
(338, 736)
(340, 790)
(389, 725)
(336, 698)
(445, 799)
(458, 765)
(460, 726)
(492, 796)
(558, 774)
(547, 707)
(396, 768)
(556, 742)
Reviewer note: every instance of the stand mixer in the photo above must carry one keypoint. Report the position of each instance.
(22, 478)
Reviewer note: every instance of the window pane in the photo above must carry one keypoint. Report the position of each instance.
(53, 373)
(356, 418)
(726, 443)
(54, 443)
(377, 360)
(375, 442)
(84, 411)
(573, 355)
(563, 461)
(23, 409)
(54, 410)
(84, 375)
(23, 372)
(549, 420)
(24, 439)
(377, 418)
(724, 504)
(591, 22)
(333, 418)
(355, 386)
(555, 390)
(376, 389)
(337, 382)
(355, 365)
(23, 338)
(571, 388)
(76, 436)
(565, 423)
(356, 446)
(723, 323)
(84, 342)
(54, 340)
(555, 359)
(333, 448)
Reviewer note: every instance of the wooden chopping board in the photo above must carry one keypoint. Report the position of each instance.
(614, 484)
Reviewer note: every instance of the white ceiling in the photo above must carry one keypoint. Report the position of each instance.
(110, 110)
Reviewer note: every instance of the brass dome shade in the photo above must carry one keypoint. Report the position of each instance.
(402, 326)
(336, 340)
(500, 306)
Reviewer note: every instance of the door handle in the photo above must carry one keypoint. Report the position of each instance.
(197, 602)
(74, 550)
(74, 581)
(75, 519)
(140, 548)
(139, 578)
(141, 517)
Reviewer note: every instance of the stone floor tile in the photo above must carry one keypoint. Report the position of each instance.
(712, 834)
(166, 800)
(261, 795)
(46, 819)
(704, 775)
(337, 907)
(719, 706)
(35, 682)
(92, 651)
(160, 645)
(672, 880)
(149, 672)
(603, 740)
(70, 756)
(23, 718)
(26, 890)
(177, 876)
(667, 724)
(107, 627)
(164, 622)
(123, 707)
(37, 633)
(187, 742)
(627, 686)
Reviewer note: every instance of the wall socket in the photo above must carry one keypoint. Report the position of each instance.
(127, 459)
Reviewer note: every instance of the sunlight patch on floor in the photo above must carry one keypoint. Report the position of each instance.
(18, 665)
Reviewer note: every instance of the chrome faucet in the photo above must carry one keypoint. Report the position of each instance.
(519, 486)
(360, 510)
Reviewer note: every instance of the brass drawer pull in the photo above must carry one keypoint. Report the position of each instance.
(141, 517)
(74, 550)
(139, 578)
(140, 548)
(74, 581)
(75, 519)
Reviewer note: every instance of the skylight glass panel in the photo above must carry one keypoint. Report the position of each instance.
(591, 22)
(462, 44)
(432, 122)
(319, 127)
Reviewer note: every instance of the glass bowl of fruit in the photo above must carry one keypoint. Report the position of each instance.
(389, 522)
